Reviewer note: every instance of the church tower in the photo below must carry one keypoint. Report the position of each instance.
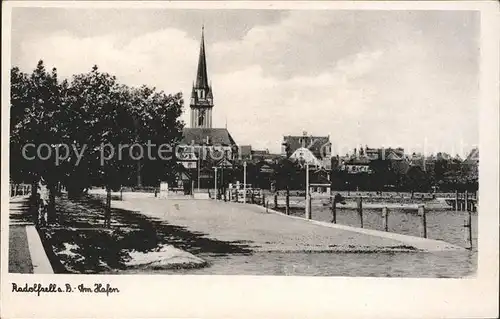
(201, 95)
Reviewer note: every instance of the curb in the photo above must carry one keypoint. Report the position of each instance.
(423, 244)
(39, 259)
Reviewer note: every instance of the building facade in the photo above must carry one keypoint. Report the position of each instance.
(313, 150)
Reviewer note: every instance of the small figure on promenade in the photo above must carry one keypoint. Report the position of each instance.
(42, 202)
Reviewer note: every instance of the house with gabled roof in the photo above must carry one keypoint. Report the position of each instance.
(471, 163)
(315, 150)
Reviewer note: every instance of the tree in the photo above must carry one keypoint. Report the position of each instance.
(98, 128)
(286, 173)
(383, 174)
(95, 119)
(36, 120)
(416, 180)
(156, 119)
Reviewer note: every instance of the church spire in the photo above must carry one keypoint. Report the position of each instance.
(201, 75)
(201, 96)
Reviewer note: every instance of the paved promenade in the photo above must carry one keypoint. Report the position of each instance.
(271, 232)
(26, 252)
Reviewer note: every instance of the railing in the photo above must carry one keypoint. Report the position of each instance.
(408, 217)
(19, 190)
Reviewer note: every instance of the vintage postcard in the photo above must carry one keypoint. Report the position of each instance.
(250, 159)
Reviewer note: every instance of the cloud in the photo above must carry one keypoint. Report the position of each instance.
(164, 58)
(381, 82)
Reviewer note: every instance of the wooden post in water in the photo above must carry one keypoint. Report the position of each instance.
(385, 216)
(360, 210)
(287, 209)
(456, 200)
(470, 229)
(308, 196)
(469, 219)
(276, 200)
(245, 182)
(421, 212)
(334, 211)
(468, 224)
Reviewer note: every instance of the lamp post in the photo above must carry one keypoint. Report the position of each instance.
(308, 200)
(223, 188)
(199, 169)
(245, 182)
(215, 183)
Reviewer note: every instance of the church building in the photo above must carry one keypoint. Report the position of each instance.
(202, 144)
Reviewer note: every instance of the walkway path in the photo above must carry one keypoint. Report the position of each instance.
(26, 252)
(267, 231)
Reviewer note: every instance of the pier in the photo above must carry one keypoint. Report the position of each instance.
(463, 202)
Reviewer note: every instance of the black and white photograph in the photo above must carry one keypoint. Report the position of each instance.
(269, 141)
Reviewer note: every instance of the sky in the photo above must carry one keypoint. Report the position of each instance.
(375, 78)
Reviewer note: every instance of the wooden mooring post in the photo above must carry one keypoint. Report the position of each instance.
(334, 211)
(421, 212)
(308, 194)
(360, 210)
(287, 200)
(385, 216)
(468, 224)
(276, 200)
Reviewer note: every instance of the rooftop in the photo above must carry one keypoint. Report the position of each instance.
(207, 136)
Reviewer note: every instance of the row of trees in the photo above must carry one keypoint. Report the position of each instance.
(442, 174)
(384, 175)
(80, 115)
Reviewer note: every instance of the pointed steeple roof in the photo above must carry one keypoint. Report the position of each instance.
(193, 92)
(201, 75)
(209, 94)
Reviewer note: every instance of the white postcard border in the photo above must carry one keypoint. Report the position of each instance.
(267, 296)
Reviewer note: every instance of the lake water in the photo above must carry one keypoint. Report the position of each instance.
(446, 225)
(434, 265)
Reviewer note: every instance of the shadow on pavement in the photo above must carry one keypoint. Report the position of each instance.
(83, 245)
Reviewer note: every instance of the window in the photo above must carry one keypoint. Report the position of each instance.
(201, 118)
